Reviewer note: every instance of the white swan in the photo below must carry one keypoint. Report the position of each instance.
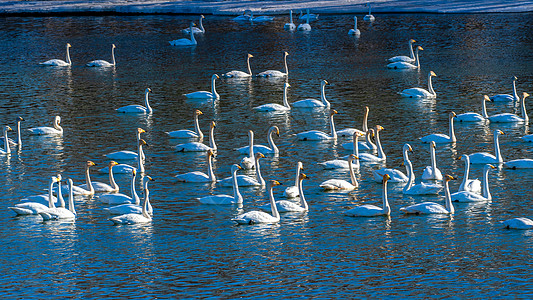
(432, 207)
(249, 162)
(244, 17)
(33, 208)
(350, 131)
(442, 138)
(311, 17)
(199, 147)
(527, 138)
(475, 117)
(487, 158)
(126, 154)
(524, 163)
(244, 180)
(138, 109)
(61, 213)
(276, 73)
(366, 145)
(406, 65)
(518, 223)
(381, 157)
(58, 62)
(134, 208)
(56, 130)
(409, 59)
(103, 63)
(100, 187)
(226, 199)
(275, 106)
(368, 210)
(369, 17)
(469, 185)
(466, 196)
(432, 172)
(188, 134)
(305, 26)
(270, 149)
(394, 175)
(292, 191)
(418, 189)
(315, 135)
(197, 176)
(255, 217)
(240, 74)
(343, 163)
(213, 95)
(506, 97)
(289, 26)
(196, 30)
(323, 102)
(116, 199)
(7, 149)
(354, 31)
(135, 218)
(260, 18)
(289, 206)
(77, 190)
(339, 184)
(184, 42)
(13, 143)
(420, 93)
(512, 118)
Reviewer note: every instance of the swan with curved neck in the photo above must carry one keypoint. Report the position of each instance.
(468, 185)
(323, 102)
(432, 207)
(487, 158)
(339, 184)
(270, 149)
(406, 65)
(184, 42)
(6, 149)
(409, 59)
(354, 31)
(61, 213)
(512, 118)
(129, 208)
(240, 74)
(381, 157)
(315, 135)
(200, 147)
(33, 208)
(100, 187)
(138, 109)
(55, 130)
(369, 17)
(197, 176)
(245, 180)
(395, 176)
(196, 30)
(432, 172)
(289, 26)
(442, 138)
(467, 196)
(213, 95)
(135, 218)
(343, 163)
(475, 117)
(507, 97)
(292, 191)
(289, 206)
(102, 63)
(275, 106)
(257, 217)
(276, 73)
(188, 134)
(420, 93)
(59, 62)
(226, 199)
(350, 131)
(369, 210)
(418, 189)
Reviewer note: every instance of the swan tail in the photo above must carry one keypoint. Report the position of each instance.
(21, 211)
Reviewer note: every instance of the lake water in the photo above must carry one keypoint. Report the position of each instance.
(191, 250)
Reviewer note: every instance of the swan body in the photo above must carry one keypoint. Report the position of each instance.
(33, 208)
(487, 158)
(506, 97)
(226, 199)
(13, 143)
(369, 210)
(184, 42)
(339, 184)
(289, 26)
(381, 155)
(289, 206)
(102, 63)
(135, 218)
(466, 196)
(196, 30)
(403, 58)
(432, 207)
(527, 138)
(525, 163)
(292, 191)
(118, 169)
(475, 117)
(244, 17)
(354, 31)
(406, 65)
(518, 223)
(276, 73)
(122, 155)
(351, 131)
(395, 176)
(275, 106)
(432, 172)
(213, 95)
(58, 62)
(420, 93)
(134, 208)
(315, 135)
(199, 147)
(249, 161)
(469, 185)
(343, 164)
(418, 189)
(240, 74)
(270, 149)
(197, 176)
(56, 130)
(442, 138)
(187, 134)
(512, 118)
(258, 217)
(60, 213)
(138, 109)
(310, 103)
(369, 17)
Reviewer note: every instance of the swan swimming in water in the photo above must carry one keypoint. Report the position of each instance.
(196, 176)
(432, 207)
(134, 208)
(134, 218)
(102, 63)
(366, 145)
(304, 17)
(200, 147)
(512, 118)
(469, 185)
(381, 157)
(240, 74)
(18, 143)
(270, 149)
(6, 149)
(344, 164)
(60, 213)
(420, 93)
(100, 187)
(354, 31)
(305, 26)
(323, 102)
(58, 62)
(406, 65)
(408, 59)
(226, 199)
(289, 26)
(56, 130)
(368, 210)
(487, 158)
(418, 189)
(292, 191)
(244, 180)
(257, 217)
(183, 42)
(369, 17)
(466, 196)
(518, 223)
(315, 135)
(432, 172)
(276, 73)
(196, 30)
(394, 175)
(442, 138)
(204, 95)
(274, 106)
(350, 131)
(249, 162)
(33, 208)
(506, 97)
(138, 109)
(119, 199)
(289, 206)
(187, 134)
(126, 154)
(475, 117)
(339, 184)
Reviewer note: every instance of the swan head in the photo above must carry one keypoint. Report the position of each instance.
(275, 129)
(378, 128)
(286, 85)
(273, 183)
(148, 90)
(198, 112)
(210, 153)
(57, 119)
(54, 179)
(68, 45)
(113, 46)
(259, 155)
(302, 176)
(324, 82)
(300, 165)
(70, 182)
(407, 147)
(235, 168)
(250, 134)
(515, 78)
(202, 17)
(352, 157)
(250, 56)
(133, 171)
(90, 164)
(433, 145)
(215, 76)
(431, 73)
(412, 41)
(140, 130)
(147, 179)
(525, 95)
(59, 177)
(112, 164)
(286, 53)
(419, 48)
(7, 128)
(452, 115)
(142, 143)
(386, 178)
(213, 125)
(449, 177)
(333, 112)
(19, 119)
(489, 166)
(486, 98)
(498, 132)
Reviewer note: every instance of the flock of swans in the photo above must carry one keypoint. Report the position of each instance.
(52, 206)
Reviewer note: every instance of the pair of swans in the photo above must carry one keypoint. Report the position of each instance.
(34, 204)
(468, 185)
(407, 65)
(276, 73)
(44, 130)
(420, 93)
(408, 59)
(197, 176)
(354, 31)
(204, 95)
(341, 163)
(289, 206)
(59, 62)
(189, 134)
(339, 184)
(508, 117)
(184, 42)
(368, 210)
(421, 188)
(432, 207)
(138, 109)
(226, 199)
(7, 149)
(507, 97)
(99, 187)
(102, 63)
(244, 180)
(260, 217)
(351, 131)
(315, 135)
(197, 146)
(130, 205)
(11, 142)
(292, 191)
(469, 196)
(136, 218)
(441, 138)
(274, 106)
(60, 213)
(129, 155)
(196, 30)
(270, 149)
(240, 74)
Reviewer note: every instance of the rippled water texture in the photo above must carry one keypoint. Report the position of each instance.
(194, 250)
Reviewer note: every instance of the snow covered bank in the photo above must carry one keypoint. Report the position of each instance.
(235, 7)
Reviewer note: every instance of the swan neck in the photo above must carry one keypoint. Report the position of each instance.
(297, 175)
(497, 148)
(213, 88)
(486, 192)
(417, 60)
(88, 182)
(236, 194)
(60, 195)
(271, 143)
(332, 126)
(430, 86)
(356, 145)
(449, 205)
(197, 127)
(465, 176)
(6, 143)
(433, 160)
(275, 212)
(146, 201)
(50, 196)
(411, 179)
(140, 163)
(323, 95)
(522, 111)
(302, 197)
(384, 196)
(291, 17)
(71, 198)
(19, 138)
(285, 100)
(146, 103)
(251, 155)
(411, 53)
(68, 57)
(515, 94)
(452, 131)
(112, 179)
(365, 121)
(212, 138)
(113, 55)
(352, 174)
(286, 67)
(249, 68)
(258, 172)
(484, 109)
(210, 172)
(133, 192)
(192, 34)
(381, 154)
(202, 25)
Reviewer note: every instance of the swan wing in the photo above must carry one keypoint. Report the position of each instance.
(44, 131)
(132, 109)
(291, 192)
(192, 147)
(482, 158)
(395, 175)
(129, 219)
(334, 164)
(518, 223)
(55, 63)
(424, 189)
(115, 199)
(469, 117)
(525, 163)
(365, 211)
(122, 155)
(183, 134)
(425, 208)
(308, 103)
(218, 200)
(194, 176)
(336, 184)
(99, 63)
(465, 196)
(438, 138)
(254, 217)
(242, 180)
(236, 74)
(313, 135)
(124, 209)
(200, 95)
